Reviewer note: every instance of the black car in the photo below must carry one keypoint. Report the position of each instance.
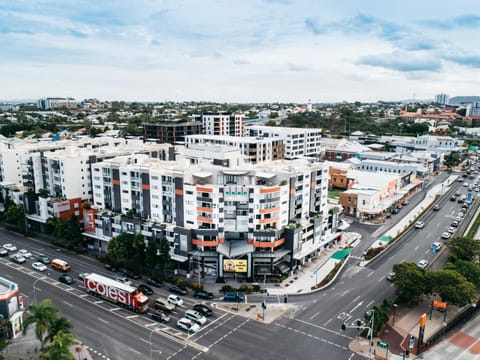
(3, 251)
(66, 279)
(146, 290)
(43, 259)
(203, 309)
(202, 294)
(177, 289)
(158, 315)
(154, 282)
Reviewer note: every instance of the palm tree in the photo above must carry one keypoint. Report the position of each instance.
(42, 316)
(58, 324)
(60, 349)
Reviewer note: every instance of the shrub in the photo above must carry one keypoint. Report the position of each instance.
(227, 288)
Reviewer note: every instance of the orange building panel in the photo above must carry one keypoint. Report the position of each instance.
(204, 189)
(204, 219)
(270, 220)
(178, 192)
(269, 211)
(206, 210)
(270, 190)
(265, 244)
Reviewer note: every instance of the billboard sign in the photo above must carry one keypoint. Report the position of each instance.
(239, 266)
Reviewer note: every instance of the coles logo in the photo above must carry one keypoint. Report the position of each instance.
(110, 292)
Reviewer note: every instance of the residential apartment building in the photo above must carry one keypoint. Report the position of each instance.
(171, 133)
(255, 149)
(298, 142)
(271, 217)
(221, 123)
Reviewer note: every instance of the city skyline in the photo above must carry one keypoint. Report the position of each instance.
(253, 51)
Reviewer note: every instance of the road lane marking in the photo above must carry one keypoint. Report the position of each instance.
(373, 272)
(67, 303)
(98, 302)
(314, 315)
(102, 320)
(133, 350)
(357, 298)
(131, 316)
(370, 303)
(327, 322)
(356, 306)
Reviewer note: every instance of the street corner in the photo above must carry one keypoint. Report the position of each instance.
(359, 346)
(256, 312)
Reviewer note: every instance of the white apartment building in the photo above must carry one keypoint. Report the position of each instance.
(272, 216)
(255, 149)
(221, 123)
(298, 142)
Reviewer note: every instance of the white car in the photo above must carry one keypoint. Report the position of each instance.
(419, 224)
(188, 325)
(25, 253)
(196, 317)
(446, 235)
(19, 259)
(10, 247)
(175, 300)
(437, 246)
(422, 264)
(39, 266)
(451, 229)
(124, 280)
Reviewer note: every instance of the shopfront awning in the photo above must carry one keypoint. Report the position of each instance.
(235, 248)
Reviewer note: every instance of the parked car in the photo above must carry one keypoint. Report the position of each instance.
(203, 309)
(158, 315)
(10, 247)
(38, 266)
(66, 279)
(419, 224)
(3, 251)
(453, 198)
(455, 223)
(451, 229)
(146, 290)
(131, 275)
(177, 289)
(196, 317)
(154, 282)
(446, 235)
(19, 259)
(436, 207)
(43, 259)
(175, 300)
(202, 294)
(390, 276)
(422, 264)
(395, 210)
(437, 246)
(188, 325)
(25, 253)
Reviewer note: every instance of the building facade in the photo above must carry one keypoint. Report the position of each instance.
(170, 133)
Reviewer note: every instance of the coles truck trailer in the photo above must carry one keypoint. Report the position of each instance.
(117, 292)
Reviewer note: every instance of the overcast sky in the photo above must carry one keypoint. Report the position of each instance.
(239, 50)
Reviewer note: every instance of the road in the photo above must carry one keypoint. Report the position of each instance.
(310, 329)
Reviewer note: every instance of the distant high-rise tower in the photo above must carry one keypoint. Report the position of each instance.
(441, 99)
(309, 105)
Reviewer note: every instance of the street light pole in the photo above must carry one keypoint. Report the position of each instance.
(394, 313)
(150, 341)
(372, 322)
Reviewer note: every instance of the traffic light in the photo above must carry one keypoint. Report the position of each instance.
(359, 323)
(264, 306)
(343, 327)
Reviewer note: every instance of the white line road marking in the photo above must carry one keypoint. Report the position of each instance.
(370, 303)
(345, 292)
(83, 295)
(133, 350)
(327, 322)
(98, 302)
(104, 321)
(67, 303)
(131, 316)
(114, 309)
(314, 315)
(356, 307)
(370, 274)
(416, 248)
(381, 279)
(358, 297)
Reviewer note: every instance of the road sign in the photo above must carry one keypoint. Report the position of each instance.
(411, 342)
(383, 345)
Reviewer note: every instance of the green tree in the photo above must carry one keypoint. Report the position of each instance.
(58, 324)
(139, 249)
(120, 247)
(452, 287)
(409, 281)
(15, 215)
(164, 260)
(60, 349)
(74, 230)
(469, 269)
(151, 257)
(42, 316)
(463, 249)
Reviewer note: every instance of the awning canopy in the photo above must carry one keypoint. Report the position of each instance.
(264, 174)
(235, 248)
(202, 174)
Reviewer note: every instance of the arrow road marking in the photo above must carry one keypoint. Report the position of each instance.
(356, 307)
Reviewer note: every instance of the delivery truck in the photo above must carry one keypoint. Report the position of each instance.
(117, 292)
